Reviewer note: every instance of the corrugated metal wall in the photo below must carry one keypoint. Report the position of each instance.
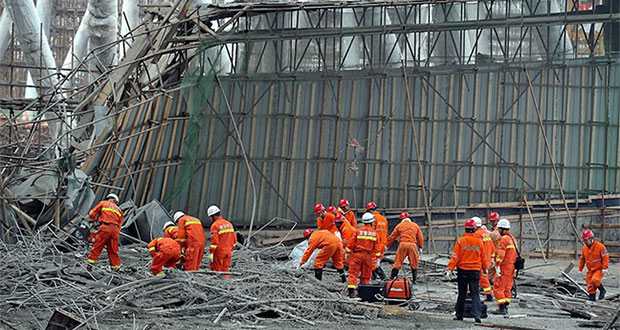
(478, 132)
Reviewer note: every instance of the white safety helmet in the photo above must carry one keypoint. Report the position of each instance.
(113, 197)
(478, 221)
(503, 223)
(168, 224)
(177, 216)
(368, 217)
(213, 209)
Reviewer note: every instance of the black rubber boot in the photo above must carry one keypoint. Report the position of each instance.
(592, 296)
(343, 278)
(501, 311)
(489, 297)
(477, 320)
(414, 275)
(458, 318)
(351, 293)
(374, 275)
(394, 273)
(318, 273)
(89, 267)
(381, 274)
(602, 292)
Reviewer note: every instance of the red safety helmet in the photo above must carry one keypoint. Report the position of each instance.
(318, 208)
(493, 216)
(331, 209)
(587, 234)
(403, 215)
(307, 232)
(343, 202)
(371, 205)
(339, 218)
(470, 224)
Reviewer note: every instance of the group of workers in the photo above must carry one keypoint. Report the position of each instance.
(486, 260)
(182, 244)
(361, 249)
(483, 259)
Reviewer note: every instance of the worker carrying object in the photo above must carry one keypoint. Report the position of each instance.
(346, 233)
(594, 255)
(469, 258)
(363, 249)
(110, 222)
(191, 238)
(489, 249)
(166, 252)
(325, 220)
(505, 258)
(343, 208)
(331, 248)
(381, 226)
(223, 241)
(410, 239)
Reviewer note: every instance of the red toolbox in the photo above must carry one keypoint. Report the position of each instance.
(397, 290)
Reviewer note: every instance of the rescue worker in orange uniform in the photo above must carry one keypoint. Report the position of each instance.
(489, 249)
(191, 237)
(166, 252)
(172, 231)
(325, 220)
(363, 249)
(331, 248)
(492, 220)
(505, 258)
(594, 255)
(343, 207)
(381, 226)
(410, 239)
(469, 258)
(223, 241)
(110, 222)
(346, 232)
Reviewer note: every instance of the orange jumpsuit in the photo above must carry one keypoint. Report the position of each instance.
(349, 215)
(166, 252)
(410, 238)
(330, 246)
(495, 236)
(172, 232)
(223, 240)
(597, 259)
(489, 248)
(346, 231)
(381, 226)
(468, 254)
(364, 248)
(111, 220)
(327, 222)
(192, 237)
(505, 258)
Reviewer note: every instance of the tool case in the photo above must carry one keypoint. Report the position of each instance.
(397, 290)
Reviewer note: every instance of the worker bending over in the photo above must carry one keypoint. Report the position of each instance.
(172, 231)
(489, 249)
(410, 238)
(505, 258)
(324, 220)
(381, 226)
(223, 241)
(594, 255)
(469, 258)
(343, 206)
(166, 252)
(191, 238)
(110, 222)
(363, 249)
(331, 248)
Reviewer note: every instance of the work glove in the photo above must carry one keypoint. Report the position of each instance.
(378, 262)
(604, 271)
(210, 257)
(448, 274)
(420, 250)
(497, 272)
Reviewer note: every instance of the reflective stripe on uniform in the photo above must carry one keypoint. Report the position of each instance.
(486, 239)
(91, 261)
(502, 301)
(181, 239)
(351, 286)
(111, 210)
(213, 246)
(499, 260)
(115, 267)
(160, 274)
(192, 223)
(152, 248)
(347, 249)
(487, 289)
(378, 254)
(372, 238)
(227, 230)
(511, 246)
